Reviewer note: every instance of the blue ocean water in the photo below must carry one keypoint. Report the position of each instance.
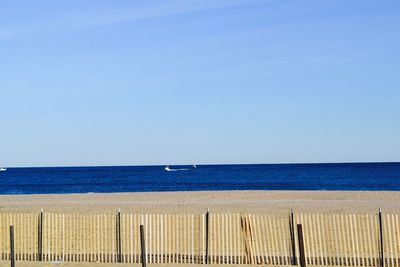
(346, 176)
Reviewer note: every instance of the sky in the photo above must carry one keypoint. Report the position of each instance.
(102, 82)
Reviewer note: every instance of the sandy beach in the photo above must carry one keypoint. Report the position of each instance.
(265, 202)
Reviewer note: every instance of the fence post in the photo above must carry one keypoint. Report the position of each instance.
(12, 256)
(292, 237)
(207, 232)
(118, 233)
(40, 236)
(143, 245)
(382, 261)
(301, 245)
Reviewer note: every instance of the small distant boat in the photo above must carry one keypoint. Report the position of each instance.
(3, 169)
(194, 166)
(168, 169)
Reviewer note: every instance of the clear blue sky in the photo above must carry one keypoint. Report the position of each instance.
(194, 81)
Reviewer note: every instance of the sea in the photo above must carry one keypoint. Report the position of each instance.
(324, 176)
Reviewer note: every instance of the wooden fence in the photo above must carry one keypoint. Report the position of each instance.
(329, 239)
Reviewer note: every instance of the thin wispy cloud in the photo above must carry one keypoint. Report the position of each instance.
(65, 20)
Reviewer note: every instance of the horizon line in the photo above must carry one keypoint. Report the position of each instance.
(204, 164)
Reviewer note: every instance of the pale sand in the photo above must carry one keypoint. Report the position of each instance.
(267, 202)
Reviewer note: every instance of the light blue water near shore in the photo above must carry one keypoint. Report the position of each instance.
(347, 176)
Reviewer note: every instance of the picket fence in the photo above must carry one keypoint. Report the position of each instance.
(329, 239)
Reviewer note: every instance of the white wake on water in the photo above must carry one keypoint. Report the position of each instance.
(168, 169)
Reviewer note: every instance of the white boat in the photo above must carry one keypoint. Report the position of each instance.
(168, 169)
(3, 169)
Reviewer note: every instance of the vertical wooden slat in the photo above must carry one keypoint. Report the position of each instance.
(368, 250)
(12, 252)
(363, 239)
(22, 240)
(336, 236)
(218, 237)
(72, 237)
(226, 240)
(394, 235)
(309, 237)
(170, 237)
(185, 236)
(178, 239)
(131, 241)
(375, 236)
(106, 252)
(369, 240)
(62, 237)
(143, 246)
(73, 243)
(319, 240)
(292, 237)
(98, 234)
(344, 239)
(56, 238)
(48, 236)
(181, 239)
(353, 251)
(266, 254)
(372, 233)
(301, 246)
(286, 240)
(223, 238)
(149, 240)
(388, 227)
(398, 240)
(86, 238)
(272, 241)
(332, 249)
(155, 238)
(81, 238)
(330, 239)
(249, 244)
(281, 248)
(212, 238)
(356, 234)
(167, 238)
(238, 239)
(161, 238)
(381, 247)
(298, 219)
